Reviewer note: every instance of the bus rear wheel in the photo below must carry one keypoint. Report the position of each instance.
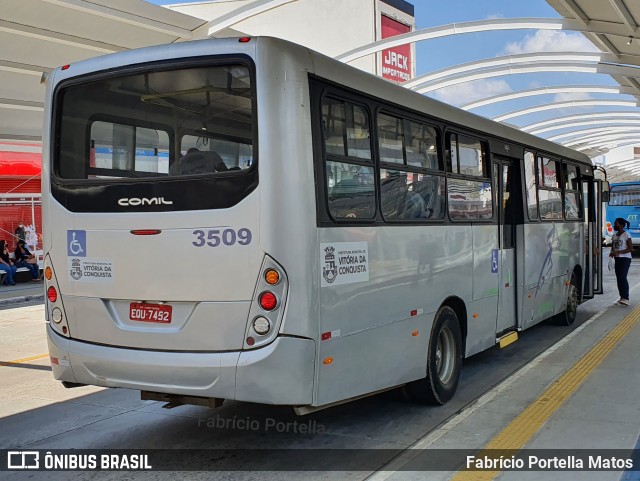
(568, 316)
(443, 363)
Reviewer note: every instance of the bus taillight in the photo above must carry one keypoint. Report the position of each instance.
(56, 315)
(261, 325)
(272, 277)
(48, 273)
(146, 231)
(52, 294)
(268, 301)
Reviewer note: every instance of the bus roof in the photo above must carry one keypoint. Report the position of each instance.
(330, 69)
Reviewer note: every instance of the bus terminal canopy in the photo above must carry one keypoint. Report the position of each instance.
(38, 35)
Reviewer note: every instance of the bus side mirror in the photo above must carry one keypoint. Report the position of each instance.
(605, 191)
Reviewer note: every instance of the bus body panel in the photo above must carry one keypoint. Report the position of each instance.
(153, 264)
(201, 326)
(481, 330)
(393, 285)
(552, 250)
(374, 359)
(224, 375)
(485, 280)
(288, 229)
(281, 373)
(163, 269)
(372, 318)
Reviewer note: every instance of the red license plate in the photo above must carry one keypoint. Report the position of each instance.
(150, 312)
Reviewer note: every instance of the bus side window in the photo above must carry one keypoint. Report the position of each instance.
(353, 195)
(349, 174)
(549, 191)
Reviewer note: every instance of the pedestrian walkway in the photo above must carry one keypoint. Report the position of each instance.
(581, 397)
(22, 291)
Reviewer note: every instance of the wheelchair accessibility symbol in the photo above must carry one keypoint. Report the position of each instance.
(77, 243)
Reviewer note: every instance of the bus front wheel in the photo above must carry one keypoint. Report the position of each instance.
(443, 363)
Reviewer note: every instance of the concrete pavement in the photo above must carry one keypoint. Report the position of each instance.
(23, 291)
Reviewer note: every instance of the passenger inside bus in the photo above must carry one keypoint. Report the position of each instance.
(198, 162)
(353, 196)
(427, 188)
(399, 201)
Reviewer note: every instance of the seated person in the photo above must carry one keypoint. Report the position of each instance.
(24, 258)
(6, 265)
(353, 197)
(414, 206)
(198, 162)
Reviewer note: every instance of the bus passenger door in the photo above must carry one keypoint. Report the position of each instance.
(504, 175)
(593, 221)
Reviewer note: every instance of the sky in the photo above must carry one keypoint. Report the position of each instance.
(437, 54)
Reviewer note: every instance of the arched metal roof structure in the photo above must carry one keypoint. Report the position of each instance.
(611, 25)
(38, 35)
(567, 104)
(523, 63)
(609, 128)
(567, 89)
(246, 11)
(592, 118)
(603, 137)
(596, 27)
(468, 69)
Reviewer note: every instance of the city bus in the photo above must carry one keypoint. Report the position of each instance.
(624, 202)
(246, 219)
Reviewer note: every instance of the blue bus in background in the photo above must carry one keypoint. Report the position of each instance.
(624, 201)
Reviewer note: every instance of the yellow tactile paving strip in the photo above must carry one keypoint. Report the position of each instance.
(528, 422)
(26, 359)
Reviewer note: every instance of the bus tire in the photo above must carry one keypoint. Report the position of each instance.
(444, 361)
(568, 316)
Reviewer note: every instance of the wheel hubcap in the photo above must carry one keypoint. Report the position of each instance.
(445, 355)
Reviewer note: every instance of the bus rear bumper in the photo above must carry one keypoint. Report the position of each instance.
(280, 373)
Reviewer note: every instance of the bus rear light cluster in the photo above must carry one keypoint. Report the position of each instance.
(54, 306)
(267, 308)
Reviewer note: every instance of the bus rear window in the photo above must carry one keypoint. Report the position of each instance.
(166, 123)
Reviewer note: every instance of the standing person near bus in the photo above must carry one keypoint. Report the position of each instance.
(6, 265)
(621, 248)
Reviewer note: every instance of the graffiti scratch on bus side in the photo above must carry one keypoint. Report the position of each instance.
(547, 265)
